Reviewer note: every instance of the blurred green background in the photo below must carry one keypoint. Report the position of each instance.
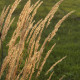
(67, 38)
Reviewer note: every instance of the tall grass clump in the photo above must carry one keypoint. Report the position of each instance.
(29, 34)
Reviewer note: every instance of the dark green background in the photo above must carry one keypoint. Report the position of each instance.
(67, 38)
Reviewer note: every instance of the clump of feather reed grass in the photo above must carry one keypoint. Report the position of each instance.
(29, 33)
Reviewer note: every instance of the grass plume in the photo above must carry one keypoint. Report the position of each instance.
(28, 31)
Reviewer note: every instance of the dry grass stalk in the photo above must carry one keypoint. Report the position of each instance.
(5, 29)
(7, 21)
(37, 41)
(25, 25)
(62, 77)
(3, 15)
(55, 65)
(31, 51)
(20, 45)
(52, 12)
(52, 34)
(43, 24)
(33, 30)
(50, 76)
(47, 55)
